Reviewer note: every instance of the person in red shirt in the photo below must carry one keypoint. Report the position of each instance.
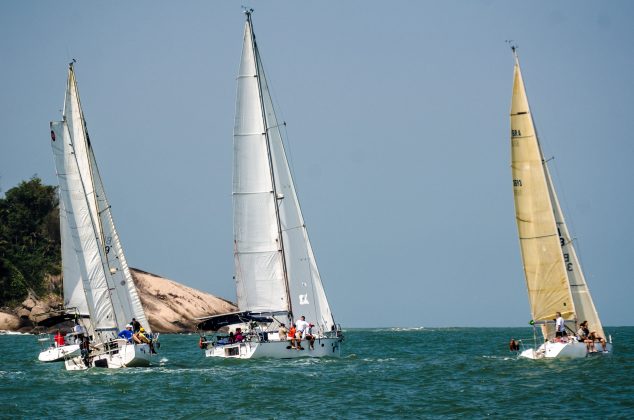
(59, 339)
(291, 336)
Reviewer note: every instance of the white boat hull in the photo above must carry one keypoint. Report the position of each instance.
(568, 350)
(58, 354)
(125, 355)
(324, 347)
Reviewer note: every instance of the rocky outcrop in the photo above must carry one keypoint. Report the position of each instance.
(170, 307)
(9, 322)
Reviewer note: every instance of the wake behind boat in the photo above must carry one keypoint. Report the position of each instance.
(97, 281)
(276, 274)
(559, 296)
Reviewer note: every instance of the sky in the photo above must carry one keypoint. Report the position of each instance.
(398, 129)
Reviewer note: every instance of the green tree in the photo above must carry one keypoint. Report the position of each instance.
(29, 239)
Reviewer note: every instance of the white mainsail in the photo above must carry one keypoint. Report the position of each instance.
(554, 278)
(275, 267)
(98, 264)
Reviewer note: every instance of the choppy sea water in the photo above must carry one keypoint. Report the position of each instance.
(388, 373)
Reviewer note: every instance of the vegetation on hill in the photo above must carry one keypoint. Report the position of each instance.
(29, 240)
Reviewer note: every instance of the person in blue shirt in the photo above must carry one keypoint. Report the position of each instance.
(127, 333)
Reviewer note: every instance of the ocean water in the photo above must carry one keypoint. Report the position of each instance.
(386, 373)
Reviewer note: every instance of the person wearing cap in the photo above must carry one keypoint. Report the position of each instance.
(141, 337)
(126, 334)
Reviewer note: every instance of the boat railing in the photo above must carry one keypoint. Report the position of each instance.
(258, 336)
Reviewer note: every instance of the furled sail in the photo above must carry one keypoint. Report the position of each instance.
(293, 272)
(546, 279)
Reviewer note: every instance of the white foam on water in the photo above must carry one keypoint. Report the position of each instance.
(7, 332)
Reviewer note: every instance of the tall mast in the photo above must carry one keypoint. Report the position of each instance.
(256, 55)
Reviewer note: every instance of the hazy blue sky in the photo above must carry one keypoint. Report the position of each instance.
(398, 129)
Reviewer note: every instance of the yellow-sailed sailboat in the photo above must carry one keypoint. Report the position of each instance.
(554, 279)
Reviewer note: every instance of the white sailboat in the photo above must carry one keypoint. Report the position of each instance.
(554, 278)
(98, 286)
(276, 274)
(52, 351)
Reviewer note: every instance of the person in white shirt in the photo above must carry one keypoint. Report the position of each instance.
(79, 332)
(300, 331)
(560, 328)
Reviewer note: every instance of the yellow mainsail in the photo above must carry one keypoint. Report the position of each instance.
(544, 267)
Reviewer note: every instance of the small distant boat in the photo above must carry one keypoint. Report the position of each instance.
(98, 287)
(276, 274)
(52, 352)
(554, 278)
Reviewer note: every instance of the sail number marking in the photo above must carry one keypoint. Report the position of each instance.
(516, 133)
(562, 242)
(517, 182)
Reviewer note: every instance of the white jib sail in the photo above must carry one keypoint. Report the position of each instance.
(259, 270)
(304, 282)
(124, 294)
